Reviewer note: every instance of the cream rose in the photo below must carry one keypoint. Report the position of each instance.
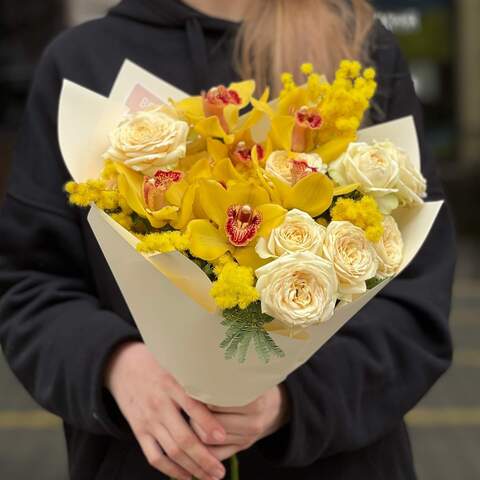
(280, 165)
(412, 186)
(375, 167)
(352, 256)
(298, 233)
(149, 140)
(389, 249)
(299, 289)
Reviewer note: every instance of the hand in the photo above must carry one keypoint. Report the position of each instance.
(152, 402)
(247, 425)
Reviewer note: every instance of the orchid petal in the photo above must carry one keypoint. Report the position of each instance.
(186, 211)
(243, 193)
(345, 190)
(247, 257)
(330, 151)
(260, 174)
(232, 115)
(214, 201)
(210, 128)
(293, 100)
(186, 163)
(130, 186)
(217, 149)
(312, 194)
(165, 214)
(192, 107)
(201, 169)
(174, 195)
(282, 131)
(272, 216)
(260, 109)
(224, 171)
(245, 90)
(281, 188)
(206, 241)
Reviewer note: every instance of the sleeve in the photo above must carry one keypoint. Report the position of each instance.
(360, 385)
(54, 333)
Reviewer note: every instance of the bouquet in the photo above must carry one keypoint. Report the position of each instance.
(244, 233)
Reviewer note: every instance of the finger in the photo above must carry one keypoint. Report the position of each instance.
(245, 410)
(241, 425)
(179, 456)
(201, 414)
(231, 439)
(234, 410)
(158, 460)
(225, 452)
(185, 438)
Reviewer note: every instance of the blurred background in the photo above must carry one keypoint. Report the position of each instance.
(442, 41)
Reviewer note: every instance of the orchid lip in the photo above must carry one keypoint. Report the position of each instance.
(301, 169)
(215, 101)
(154, 188)
(306, 119)
(221, 95)
(309, 118)
(243, 154)
(243, 223)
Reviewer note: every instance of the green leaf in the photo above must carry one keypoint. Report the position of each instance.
(243, 328)
(373, 282)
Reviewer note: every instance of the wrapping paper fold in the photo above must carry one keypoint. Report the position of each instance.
(168, 295)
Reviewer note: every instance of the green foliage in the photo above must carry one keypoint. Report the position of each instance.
(141, 225)
(207, 267)
(373, 282)
(243, 328)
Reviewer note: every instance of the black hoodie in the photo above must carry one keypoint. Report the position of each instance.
(61, 313)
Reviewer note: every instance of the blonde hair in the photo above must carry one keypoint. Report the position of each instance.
(279, 35)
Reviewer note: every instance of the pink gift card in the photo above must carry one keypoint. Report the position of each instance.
(141, 98)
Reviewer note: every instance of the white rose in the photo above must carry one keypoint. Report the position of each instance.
(412, 186)
(298, 289)
(281, 165)
(375, 167)
(389, 249)
(353, 257)
(149, 140)
(298, 233)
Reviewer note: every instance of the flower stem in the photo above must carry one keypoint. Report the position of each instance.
(234, 468)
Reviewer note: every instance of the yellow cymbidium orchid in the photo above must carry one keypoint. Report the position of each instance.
(236, 217)
(321, 117)
(216, 113)
(312, 194)
(236, 161)
(172, 204)
(290, 134)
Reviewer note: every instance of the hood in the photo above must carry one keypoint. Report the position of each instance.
(197, 26)
(169, 13)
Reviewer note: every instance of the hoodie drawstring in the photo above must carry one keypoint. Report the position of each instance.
(198, 49)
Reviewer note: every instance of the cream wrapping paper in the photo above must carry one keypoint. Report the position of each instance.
(167, 294)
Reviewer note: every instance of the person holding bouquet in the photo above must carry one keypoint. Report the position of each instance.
(68, 334)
